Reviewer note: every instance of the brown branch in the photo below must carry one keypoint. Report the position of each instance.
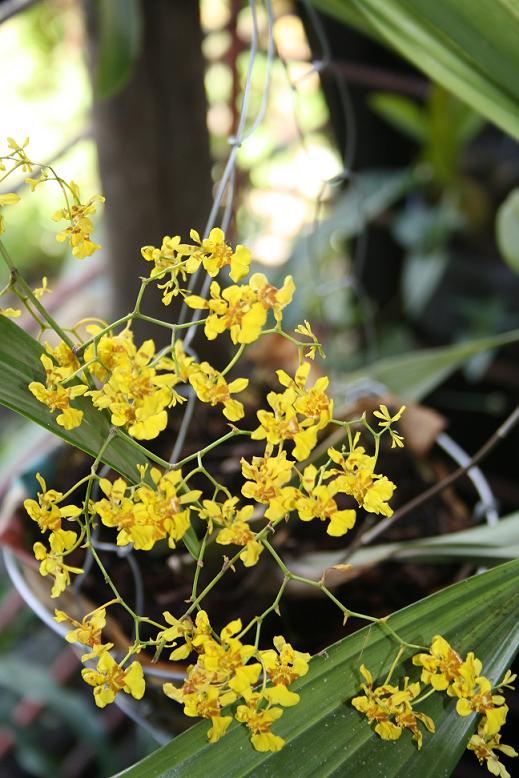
(501, 432)
(359, 74)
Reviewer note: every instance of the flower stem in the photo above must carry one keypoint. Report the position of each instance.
(20, 282)
(235, 358)
(232, 434)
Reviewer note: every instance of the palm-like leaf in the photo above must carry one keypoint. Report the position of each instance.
(325, 735)
(468, 47)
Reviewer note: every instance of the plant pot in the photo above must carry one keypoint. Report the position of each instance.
(158, 715)
(153, 713)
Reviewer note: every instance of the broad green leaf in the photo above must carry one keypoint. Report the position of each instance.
(32, 756)
(120, 31)
(402, 113)
(412, 376)
(421, 276)
(33, 682)
(469, 47)
(507, 229)
(19, 365)
(325, 735)
(486, 545)
(442, 127)
(369, 194)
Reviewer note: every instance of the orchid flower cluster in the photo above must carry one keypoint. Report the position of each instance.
(392, 708)
(97, 371)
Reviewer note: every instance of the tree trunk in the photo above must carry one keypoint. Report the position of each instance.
(153, 146)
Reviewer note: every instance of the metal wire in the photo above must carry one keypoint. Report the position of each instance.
(184, 427)
(225, 186)
(487, 505)
(235, 141)
(227, 182)
(350, 125)
(24, 590)
(20, 583)
(35, 604)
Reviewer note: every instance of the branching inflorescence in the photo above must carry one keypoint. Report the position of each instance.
(138, 388)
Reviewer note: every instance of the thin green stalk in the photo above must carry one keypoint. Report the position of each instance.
(143, 450)
(218, 486)
(152, 320)
(188, 324)
(199, 565)
(196, 602)
(18, 164)
(346, 611)
(301, 344)
(140, 295)
(104, 331)
(424, 696)
(93, 551)
(76, 486)
(19, 281)
(25, 302)
(228, 435)
(229, 563)
(258, 620)
(77, 543)
(234, 359)
(273, 553)
(393, 665)
(80, 369)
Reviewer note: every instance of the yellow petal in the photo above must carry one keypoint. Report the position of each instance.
(463, 708)
(218, 728)
(280, 695)
(388, 731)
(9, 198)
(134, 680)
(267, 742)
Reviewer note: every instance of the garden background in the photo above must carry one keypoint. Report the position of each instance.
(378, 164)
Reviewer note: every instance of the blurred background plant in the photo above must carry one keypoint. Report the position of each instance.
(379, 190)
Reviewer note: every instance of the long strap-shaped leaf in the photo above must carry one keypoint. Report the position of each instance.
(19, 365)
(468, 46)
(326, 736)
(483, 544)
(413, 375)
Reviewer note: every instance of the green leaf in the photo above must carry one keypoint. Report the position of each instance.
(120, 32)
(326, 736)
(484, 545)
(468, 47)
(34, 683)
(368, 195)
(402, 113)
(32, 755)
(412, 376)
(19, 365)
(507, 229)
